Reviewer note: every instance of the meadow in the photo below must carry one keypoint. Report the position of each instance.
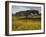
(32, 23)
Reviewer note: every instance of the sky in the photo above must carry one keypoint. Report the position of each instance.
(24, 8)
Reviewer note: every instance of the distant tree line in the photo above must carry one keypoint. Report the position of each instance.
(27, 13)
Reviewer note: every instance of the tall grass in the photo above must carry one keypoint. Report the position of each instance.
(29, 24)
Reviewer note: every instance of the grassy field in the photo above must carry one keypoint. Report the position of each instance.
(28, 24)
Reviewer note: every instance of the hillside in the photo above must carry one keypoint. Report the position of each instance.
(27, 13)
(26, 20)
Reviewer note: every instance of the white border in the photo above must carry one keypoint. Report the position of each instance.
(27, 31)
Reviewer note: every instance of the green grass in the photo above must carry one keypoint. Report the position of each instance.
(25, 24)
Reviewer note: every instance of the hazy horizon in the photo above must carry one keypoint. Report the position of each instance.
(24, 8)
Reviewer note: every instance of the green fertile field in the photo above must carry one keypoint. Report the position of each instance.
(29, 24)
